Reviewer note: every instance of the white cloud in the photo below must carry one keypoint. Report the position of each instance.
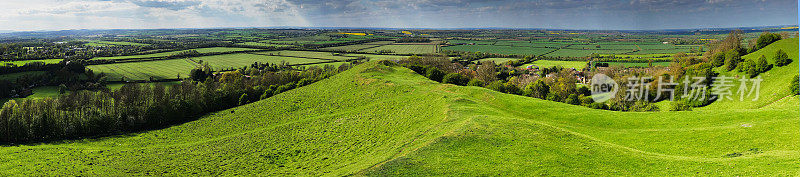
(94, 14)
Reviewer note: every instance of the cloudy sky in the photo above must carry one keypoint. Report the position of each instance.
(24, 15)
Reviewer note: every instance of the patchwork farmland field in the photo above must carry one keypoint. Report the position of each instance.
(348, 48)
(567, 48)
(584, 53)
(498, 60)
(404, 49)
(260, 44)
(23, 62)
(97, 43)
(637, 64)
(169, 69)
(508, 50)
(164, 54)
(550, 63)
(14, 76)
(161, 69)
(307, 54)
(233, 61)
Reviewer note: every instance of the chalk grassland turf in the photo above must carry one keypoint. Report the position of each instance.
(164, 54)
(507, 50)
(162, 69)
(370, 120)
(405, 49)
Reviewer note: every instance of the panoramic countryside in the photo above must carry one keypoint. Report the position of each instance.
(396, 88)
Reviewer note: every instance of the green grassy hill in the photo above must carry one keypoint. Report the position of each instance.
(377, 120)
(775, 84)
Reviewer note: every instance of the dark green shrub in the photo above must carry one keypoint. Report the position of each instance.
(573, 99)
(475, 82)
(763, 65)
(455, 78)
(497, 86)
(512, 89)
(598, 106)
(732, 59)
(586, 100)
(718, 59)
(537, 89)
(434, 74)
(553, 97)
(781, 58)
(765, 39)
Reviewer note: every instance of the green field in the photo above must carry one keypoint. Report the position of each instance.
(260, 44)
(23, 62)
(584, 53)
(348, 48)
(369, 121)
(530, 44)
(38, 93)
(116, 86)
(508, 50)
(307, 54)
(169, 69)
(550, 63)
(637, 64)
(161, 69)
(498, 60)
(14, 76)
(404, 49)
(568, 48)
(97, 43)
(234, 61)
(164, 54)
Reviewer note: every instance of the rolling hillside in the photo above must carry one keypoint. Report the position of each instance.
(376, 120)
(775, 84)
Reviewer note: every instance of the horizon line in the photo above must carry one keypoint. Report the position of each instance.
(415, 28)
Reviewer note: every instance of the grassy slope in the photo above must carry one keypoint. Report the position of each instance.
(775, 85)
(377, 120)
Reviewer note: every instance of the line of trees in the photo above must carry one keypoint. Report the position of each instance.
(138, 107)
